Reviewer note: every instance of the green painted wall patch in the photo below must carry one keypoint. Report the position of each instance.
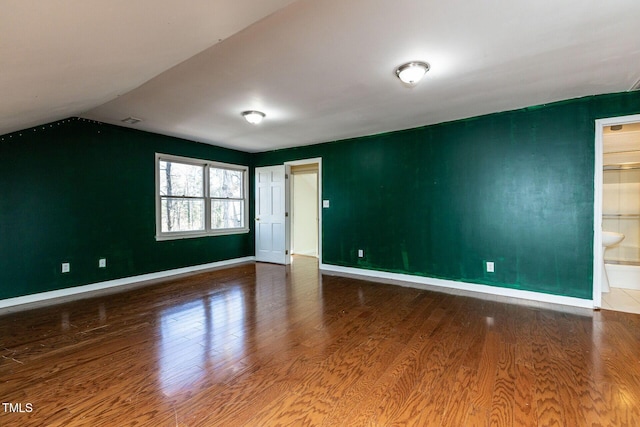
(513, 187)
(76, 191)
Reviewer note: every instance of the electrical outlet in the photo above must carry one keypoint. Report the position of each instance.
(66, 267)
(360, 253)
(490, 267)
(102, 263)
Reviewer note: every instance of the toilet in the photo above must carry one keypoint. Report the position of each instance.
(609, 238)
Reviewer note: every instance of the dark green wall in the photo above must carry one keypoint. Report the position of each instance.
(75, 191)
(515, 188)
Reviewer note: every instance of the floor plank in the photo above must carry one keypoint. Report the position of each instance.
(268, 345)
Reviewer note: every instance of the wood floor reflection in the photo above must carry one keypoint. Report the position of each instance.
(267, 345)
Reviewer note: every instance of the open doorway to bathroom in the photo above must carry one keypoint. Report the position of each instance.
(620, 213)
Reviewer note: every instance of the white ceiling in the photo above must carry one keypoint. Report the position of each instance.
(622, 141)
(61, 58)
(321, 70)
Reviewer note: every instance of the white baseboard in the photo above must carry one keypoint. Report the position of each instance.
(429, 283)
(623, 276)
(85, 291)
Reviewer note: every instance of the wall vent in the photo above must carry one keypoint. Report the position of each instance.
(131, 120)
(636, 86)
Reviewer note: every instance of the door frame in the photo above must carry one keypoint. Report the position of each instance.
(289, 192)
(600, 124)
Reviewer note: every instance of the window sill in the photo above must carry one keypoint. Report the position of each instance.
(194, 235)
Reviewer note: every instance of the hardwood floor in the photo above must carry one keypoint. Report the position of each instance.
(265, 345)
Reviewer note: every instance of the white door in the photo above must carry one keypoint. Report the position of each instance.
(271, 215)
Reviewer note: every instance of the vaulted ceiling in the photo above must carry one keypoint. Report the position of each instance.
(320, 70)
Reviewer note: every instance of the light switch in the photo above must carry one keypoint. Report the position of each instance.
(325, 203)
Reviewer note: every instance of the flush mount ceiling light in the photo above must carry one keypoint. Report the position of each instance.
(412, 72)
(253, 117)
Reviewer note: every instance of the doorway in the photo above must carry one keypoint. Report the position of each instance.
(304, 210)
(277, 202)
(617, 210)
(305, 221)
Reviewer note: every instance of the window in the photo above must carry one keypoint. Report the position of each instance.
(199, 198)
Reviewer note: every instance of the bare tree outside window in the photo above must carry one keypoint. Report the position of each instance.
(197, 197)
(227, 205)
(181, 196)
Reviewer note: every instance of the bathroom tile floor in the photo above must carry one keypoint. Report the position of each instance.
(626, 300)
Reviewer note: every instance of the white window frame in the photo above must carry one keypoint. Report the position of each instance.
(208, 231)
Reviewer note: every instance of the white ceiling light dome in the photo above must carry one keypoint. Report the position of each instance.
(254, 117)
(412, 72)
